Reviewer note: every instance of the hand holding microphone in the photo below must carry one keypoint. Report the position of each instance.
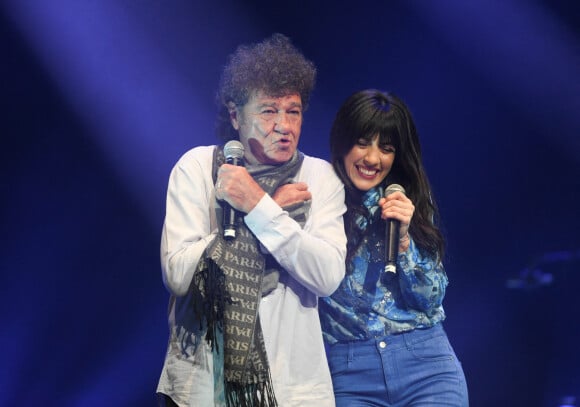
(396, 210)
(234, 154)
(236, 187)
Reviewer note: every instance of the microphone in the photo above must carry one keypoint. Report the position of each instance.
(234, 154)
(392, 235)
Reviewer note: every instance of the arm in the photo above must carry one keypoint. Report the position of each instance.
(422, 279)
(187, 229)
(315, 255)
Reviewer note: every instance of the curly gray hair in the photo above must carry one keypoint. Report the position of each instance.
(273, 66)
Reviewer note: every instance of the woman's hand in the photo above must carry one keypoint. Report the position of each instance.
(397, 206)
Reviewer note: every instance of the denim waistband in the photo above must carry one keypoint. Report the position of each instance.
(391, 342)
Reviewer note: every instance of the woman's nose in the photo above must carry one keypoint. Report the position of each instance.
(372, 156)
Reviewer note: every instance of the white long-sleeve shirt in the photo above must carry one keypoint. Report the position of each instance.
(314, 258)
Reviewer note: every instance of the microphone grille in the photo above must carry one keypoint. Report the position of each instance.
(394, 188)
(234, 149)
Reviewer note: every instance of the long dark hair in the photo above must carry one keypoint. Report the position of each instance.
(363, 115)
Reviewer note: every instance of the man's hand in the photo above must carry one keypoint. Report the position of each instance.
(236, 186)
(291, 194)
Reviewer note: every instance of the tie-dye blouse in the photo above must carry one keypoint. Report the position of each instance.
(371, 302)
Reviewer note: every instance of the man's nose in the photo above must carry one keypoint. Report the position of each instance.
(282, 122)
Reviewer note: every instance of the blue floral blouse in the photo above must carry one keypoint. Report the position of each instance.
(372, 303)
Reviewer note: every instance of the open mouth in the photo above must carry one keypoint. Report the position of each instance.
(365, 172)
(284, 142)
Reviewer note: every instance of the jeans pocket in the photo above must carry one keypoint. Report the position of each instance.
(432, 349)
(337, 362)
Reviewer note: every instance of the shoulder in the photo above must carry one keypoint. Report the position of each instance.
(199, 153)
(313, 164)
(196, 158)
(194, 166)
(319, 174)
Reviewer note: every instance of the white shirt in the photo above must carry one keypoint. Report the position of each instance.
(314, 258)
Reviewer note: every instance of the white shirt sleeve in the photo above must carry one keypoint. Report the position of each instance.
(189, 219)
(313, 256)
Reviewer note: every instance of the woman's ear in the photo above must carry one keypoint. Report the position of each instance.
(233, 112)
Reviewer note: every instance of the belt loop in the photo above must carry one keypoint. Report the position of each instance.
(408, 340)
(350, 357)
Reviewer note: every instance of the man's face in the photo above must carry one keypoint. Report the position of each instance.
(269, 127)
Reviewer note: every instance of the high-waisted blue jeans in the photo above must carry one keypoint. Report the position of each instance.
(418, 368)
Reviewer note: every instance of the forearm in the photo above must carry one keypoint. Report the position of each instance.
(422, 278)
(314, 256)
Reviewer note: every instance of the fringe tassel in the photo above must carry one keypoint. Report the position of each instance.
(211, 283)
(250, 395)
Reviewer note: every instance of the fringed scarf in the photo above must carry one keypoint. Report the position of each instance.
(233, 277)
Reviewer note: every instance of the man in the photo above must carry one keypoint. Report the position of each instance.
(244, 327)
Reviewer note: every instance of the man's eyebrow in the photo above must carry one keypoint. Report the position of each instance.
(275, 104)
(267, 104)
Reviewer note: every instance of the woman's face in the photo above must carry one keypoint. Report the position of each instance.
(368, 162)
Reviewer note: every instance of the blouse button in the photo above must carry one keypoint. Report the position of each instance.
(382, 344)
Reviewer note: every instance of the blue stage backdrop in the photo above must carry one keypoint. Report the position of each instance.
(100, 98)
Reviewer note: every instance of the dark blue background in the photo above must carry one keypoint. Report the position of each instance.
(100, 98)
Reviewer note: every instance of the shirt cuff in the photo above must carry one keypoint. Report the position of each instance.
(410, 257)
(263, 215)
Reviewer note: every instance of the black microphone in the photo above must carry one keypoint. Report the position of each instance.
(234, 154)
(392, 235)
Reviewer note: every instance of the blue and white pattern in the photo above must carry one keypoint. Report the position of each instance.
(373, 303)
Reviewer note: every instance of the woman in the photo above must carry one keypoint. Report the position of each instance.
(383, 330)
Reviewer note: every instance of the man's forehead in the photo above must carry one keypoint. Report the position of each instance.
(261, 98)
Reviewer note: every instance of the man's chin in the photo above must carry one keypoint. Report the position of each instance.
(280, 157)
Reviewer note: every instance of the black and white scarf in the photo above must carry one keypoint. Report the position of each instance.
(233, 277)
